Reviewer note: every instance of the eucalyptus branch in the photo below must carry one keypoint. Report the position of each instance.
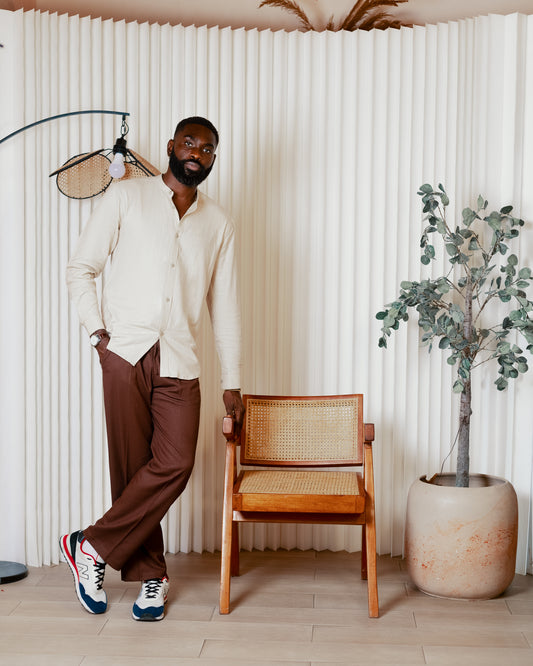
(453, 285)
(482, 362)
(489, 298)
(442, 305)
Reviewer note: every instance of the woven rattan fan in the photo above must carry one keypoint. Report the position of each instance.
(86, 175)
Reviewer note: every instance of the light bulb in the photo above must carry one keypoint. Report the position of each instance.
(117, 168)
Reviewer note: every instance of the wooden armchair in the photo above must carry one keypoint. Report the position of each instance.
(285, 434)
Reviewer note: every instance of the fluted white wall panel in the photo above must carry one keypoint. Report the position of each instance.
(325, 138)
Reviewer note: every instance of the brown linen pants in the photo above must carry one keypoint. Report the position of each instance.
(152, 430)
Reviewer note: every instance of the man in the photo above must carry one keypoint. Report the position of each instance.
(171, 248)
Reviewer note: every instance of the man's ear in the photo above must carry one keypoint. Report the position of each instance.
(170, 146)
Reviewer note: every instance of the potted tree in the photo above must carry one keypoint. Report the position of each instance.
(461, 529)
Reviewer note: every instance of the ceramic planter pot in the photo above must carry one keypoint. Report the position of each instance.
(460, 543)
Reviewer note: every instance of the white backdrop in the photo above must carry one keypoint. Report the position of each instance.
(325, 138)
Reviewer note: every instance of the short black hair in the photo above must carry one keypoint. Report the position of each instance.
(197, 120)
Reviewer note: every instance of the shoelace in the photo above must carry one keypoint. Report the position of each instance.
(99, 570)
(152, 587)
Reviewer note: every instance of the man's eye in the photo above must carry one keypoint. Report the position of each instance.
(208, 151)
(188, 143)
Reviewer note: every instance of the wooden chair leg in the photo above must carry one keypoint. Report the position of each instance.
(364, 570)
(227, 529)
(369, 528)
(225, 581)
(235, 547)
(371, 560)
(225, 572)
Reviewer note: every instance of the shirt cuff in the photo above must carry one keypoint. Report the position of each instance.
(93, 324)
(230, 381)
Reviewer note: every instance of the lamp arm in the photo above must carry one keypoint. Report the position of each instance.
(62, 115)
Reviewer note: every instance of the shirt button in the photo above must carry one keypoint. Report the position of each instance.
(172, 265)
(168, 300)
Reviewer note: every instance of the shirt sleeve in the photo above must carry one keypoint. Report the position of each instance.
(95, 244)
(224, 308)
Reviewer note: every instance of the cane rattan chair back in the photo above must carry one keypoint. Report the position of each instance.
(284, 434)
(303, 431)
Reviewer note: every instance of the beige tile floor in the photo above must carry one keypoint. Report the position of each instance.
(304, 608)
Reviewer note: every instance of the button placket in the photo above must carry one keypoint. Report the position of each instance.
(170, 280)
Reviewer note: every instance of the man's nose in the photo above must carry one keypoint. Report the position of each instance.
(194, 153)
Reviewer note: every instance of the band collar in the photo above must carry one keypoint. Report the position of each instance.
(170, 193)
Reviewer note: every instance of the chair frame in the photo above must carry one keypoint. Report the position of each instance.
(232, 515)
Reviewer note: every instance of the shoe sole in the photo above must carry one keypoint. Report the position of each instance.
(64, 546)
(146, 617)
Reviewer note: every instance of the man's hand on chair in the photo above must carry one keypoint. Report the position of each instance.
(234, 407)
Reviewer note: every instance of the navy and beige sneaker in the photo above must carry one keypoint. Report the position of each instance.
(88, 572)
(150, 604)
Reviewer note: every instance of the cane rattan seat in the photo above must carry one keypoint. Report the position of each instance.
(291, 436)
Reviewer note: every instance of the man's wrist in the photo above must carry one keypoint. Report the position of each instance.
(97, 337)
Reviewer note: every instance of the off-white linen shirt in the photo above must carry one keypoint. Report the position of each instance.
(162, 269)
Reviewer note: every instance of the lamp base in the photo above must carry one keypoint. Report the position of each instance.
(11, 572)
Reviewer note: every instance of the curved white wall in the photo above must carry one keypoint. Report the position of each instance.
(325, 138)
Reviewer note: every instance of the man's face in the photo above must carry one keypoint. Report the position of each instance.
(192, 154)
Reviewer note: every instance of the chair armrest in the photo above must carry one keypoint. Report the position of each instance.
(228, 429)
(368, 432)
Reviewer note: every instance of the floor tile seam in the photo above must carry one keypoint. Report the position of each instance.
(74, 623)
(122, 599)
(376, 643)
(12, 612)
(356, 615)
(205, 624)
(303, 643)
(106, 622)
(419, 639)
(326, 647)
(244, 640)
(52, 655)
(525, 647)
(202, 648)
(452, 624)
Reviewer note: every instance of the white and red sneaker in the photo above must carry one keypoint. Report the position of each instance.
(88, 572)
(150, 604)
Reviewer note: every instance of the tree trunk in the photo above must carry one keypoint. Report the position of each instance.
(465, 409)
(463, 451)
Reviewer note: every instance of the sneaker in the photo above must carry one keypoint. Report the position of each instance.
(88, 572)
(150, 604)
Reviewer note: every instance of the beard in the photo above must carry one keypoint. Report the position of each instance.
(189, 179)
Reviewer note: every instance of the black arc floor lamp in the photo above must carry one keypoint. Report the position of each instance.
(82, 177)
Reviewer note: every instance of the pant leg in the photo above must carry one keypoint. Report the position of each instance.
(152, 432)
(127, 398)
